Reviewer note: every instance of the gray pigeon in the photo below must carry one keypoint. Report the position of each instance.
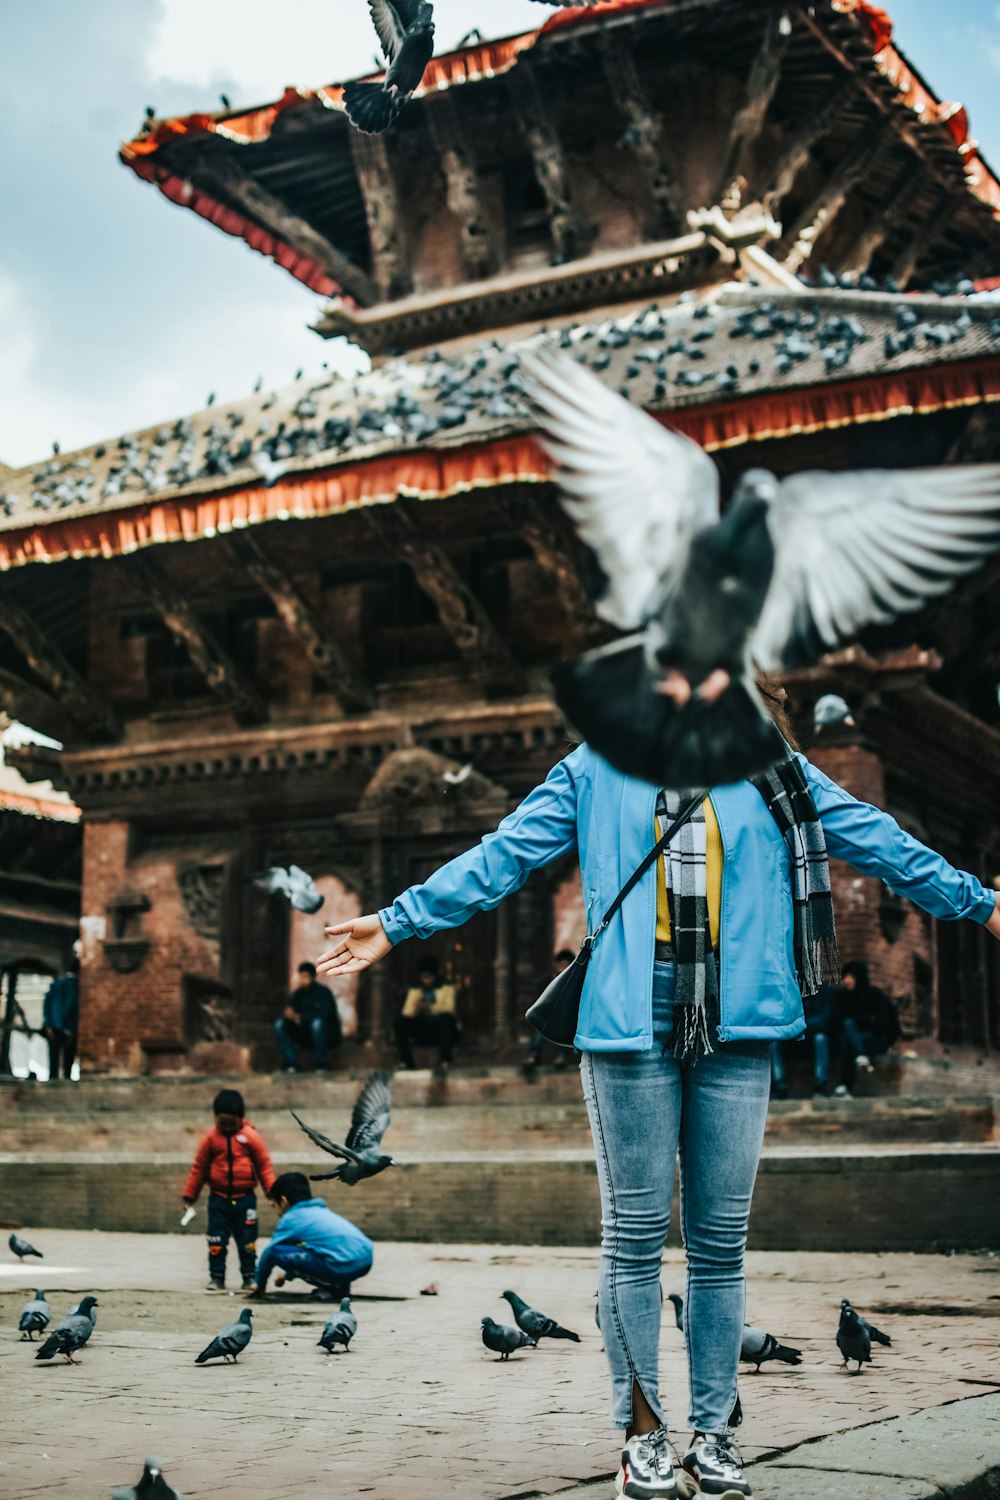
(875, 1334)
(340, 1328)
(91, 1311)
(831, 710)
(535, 1324)
(70, 1335)
(370, 1120)
(21, 1248)
(793, 569)
(294, 883)
(853, 1339)
(758, 1347)
(230, 1341)
(152, 1485)
(35, 1317)
(406, 31)
(503, 1340)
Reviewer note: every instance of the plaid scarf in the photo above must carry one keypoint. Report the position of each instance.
(788, 799)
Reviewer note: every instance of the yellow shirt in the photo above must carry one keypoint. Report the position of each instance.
(713, 879)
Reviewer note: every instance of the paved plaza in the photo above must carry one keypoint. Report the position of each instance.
(418, 1408)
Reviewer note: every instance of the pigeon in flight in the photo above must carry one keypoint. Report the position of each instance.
(794, 568)
(361, 1154)
(35, 1317)
(340, 1328)
(503, 1340)
(21, 1248)
(875, 1334)
(535, 1324)
(406, 32)
(70, 1335)
(853, 1339)
(152, 1485)
(295, 884)
(230, 1341)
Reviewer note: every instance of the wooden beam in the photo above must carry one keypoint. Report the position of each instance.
(780, 176)
(896, 205)
(228, 178)
(748, 121)
(459, 611)
(302, 621)
(386, 231)
(20, 701)
(929, 229)
(824, 206)
(553, 555)
(213, 661)
(72, 691)
(462, 186)
(644, 135)
(570, 236)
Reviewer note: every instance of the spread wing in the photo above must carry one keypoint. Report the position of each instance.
(858, 549)
(635, 490)
(406, 10)
(323, 1142)
(390, 24)
(372, 1109)
(273, 879)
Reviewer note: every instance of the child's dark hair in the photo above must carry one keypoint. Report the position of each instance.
(228, 1102)
(291, 1185)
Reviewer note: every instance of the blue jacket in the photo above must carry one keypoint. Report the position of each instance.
(608, 818)
(61, 1008)
(318, 1228)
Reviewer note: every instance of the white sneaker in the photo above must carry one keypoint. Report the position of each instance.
(715, 1463)
(842, 1092)
(864, 1063)
(647, 1471)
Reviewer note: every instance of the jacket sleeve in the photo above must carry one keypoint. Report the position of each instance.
(199, 1172)
(538, 831)
(873, 843)
(261, 1161)
(265, 1264)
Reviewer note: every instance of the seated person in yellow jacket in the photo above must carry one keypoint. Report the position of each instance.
(428, 1016)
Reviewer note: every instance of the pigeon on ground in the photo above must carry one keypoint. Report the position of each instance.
(340, 1328)
(35, 1317)
(794, 568)
(853, 1339)
(21, 1248)
(152, 1485)
(294, 883)
(90, 1312)
(70, 1335)
(230, 1341)
(406, 31)
(875, 1334)
(535, 1324)
(758, 1347)
(503, 1340)
(361, 1153)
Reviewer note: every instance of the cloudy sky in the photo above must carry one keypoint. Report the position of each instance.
(118, 309)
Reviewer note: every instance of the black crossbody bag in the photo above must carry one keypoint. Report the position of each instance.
(555, 1015)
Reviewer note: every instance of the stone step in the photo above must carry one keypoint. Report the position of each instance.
(807, 1198)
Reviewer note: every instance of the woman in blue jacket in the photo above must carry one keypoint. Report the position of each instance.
(704, 965)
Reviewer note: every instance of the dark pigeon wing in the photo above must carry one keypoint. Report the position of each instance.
(372, 1110)
(406, 10)
(323, 1142)
(390, 22)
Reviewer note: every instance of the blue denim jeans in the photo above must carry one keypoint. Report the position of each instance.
(294, 1034)
(645, 1107)
(301, 1263)
(821, 1059)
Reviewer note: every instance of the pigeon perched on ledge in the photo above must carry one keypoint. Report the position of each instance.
(406, 31)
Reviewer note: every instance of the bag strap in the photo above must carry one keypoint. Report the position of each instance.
(657, 849)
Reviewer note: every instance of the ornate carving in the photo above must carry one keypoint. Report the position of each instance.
(462, 186)
(779, 179)
(819, 213)
(549, 161)
(212, 1018)
(748, 121)
(645, 130)
(386, 232)
(202, 888)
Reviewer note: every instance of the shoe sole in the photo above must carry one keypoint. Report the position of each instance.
(685, 1488)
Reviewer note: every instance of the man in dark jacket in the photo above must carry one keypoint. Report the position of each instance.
(868, 1022)
(819, 1014)
(61, 1020)
(310, 1017)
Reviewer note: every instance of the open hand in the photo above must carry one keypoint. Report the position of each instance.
(362, 943)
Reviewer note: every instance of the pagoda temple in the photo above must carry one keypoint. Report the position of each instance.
(315, 625)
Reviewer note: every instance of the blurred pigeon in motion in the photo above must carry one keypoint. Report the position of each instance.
(294, 883)
(758, 1347)
(340, 1328)
(853, 1339)
(70, 1335)
(36, 1316)
(230, 1341)
(794, 568)
(457, 778)
(21, 1248)
(361, 1152)
(152, 1485)
(831, 710)
(503, 1340)
(535, 1324)
(875, 1334)
(406, 31)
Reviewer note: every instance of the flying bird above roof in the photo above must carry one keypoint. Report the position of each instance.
(406, 31)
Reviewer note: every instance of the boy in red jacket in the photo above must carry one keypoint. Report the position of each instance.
(232, 1159)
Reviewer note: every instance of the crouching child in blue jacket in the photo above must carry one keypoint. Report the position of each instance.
(312, 1243)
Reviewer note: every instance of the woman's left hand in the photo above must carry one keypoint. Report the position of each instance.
(993, 925)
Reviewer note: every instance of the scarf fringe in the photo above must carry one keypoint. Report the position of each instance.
(691, 1038)
(820, 962)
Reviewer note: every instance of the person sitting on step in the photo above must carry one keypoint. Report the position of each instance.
(310, 1016)
(428, 1017)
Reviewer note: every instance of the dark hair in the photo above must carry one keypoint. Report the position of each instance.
(567, 954)
(306, 968)
(291, 1185)
(776, 702)
(859, 969)
(228, 1102)
(427, 965)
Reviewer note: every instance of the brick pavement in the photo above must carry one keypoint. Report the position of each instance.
(418, 1405)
